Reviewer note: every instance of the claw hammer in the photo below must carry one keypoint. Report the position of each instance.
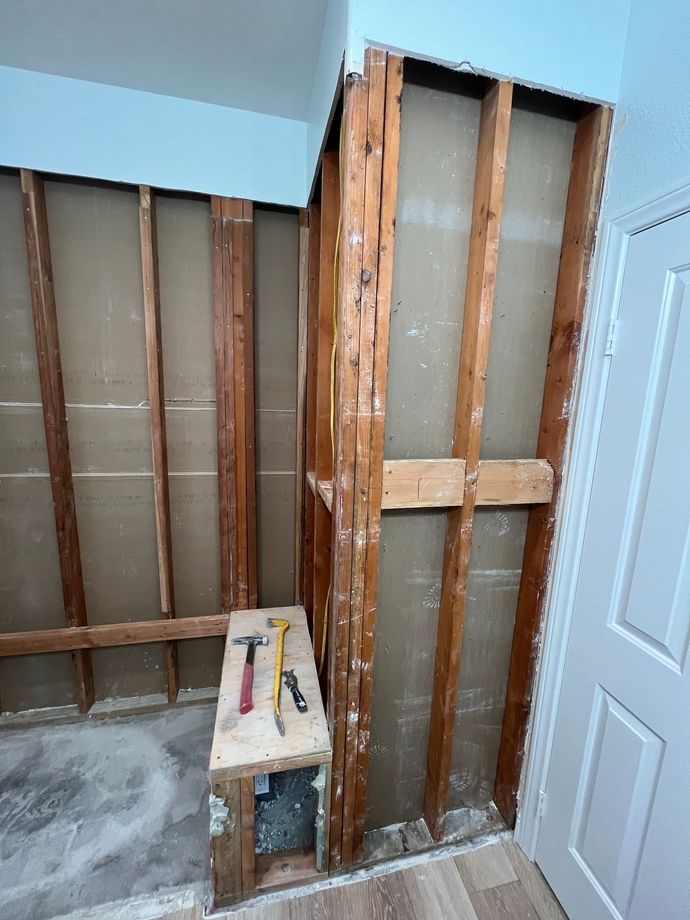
(251, 642)
(282, 626)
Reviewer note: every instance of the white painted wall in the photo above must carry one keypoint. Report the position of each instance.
(651, 144)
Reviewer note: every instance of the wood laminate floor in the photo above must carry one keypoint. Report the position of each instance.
(491, 883)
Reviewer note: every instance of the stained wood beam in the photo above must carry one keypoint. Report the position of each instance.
(487, 206)
(79, 638)
(55, 421)
(582, 209)
(354, 140)
(310, 420)
(323, 448)
(384, 253)
(233, 304)
(375, 76)
(441, 483)
(300, 415)
(159, 443)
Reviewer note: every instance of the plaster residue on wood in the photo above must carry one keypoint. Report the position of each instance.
(537, 176)
(218, 815)
(437, 161)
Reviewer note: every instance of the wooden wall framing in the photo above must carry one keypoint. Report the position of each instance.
(233, 304)
(232, 258)
(492, 154)
(359, 483)
(55, 421)
(582, 210)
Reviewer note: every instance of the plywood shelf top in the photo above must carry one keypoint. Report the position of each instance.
(244, 745)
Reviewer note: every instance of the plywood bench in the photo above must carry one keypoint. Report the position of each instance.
(247, 745)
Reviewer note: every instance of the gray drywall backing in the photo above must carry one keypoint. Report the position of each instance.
(437, 162)
(275, 357)
(537, 175)
(439, 135)
(94, 231)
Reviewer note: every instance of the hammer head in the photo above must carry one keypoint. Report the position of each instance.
(278, 624)
(251, 640)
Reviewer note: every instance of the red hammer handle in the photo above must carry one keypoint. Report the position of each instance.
(246, 704)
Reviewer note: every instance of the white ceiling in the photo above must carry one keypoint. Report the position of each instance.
(250, 54)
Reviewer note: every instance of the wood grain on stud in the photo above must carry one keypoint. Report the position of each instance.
(310, 411)
(487, 206)
(582, 209)
(301, 418)
(323, 448)
(353, 174)
(375, 76)
(39, 641)
(44, 315)
(159, 442)
(385, 253)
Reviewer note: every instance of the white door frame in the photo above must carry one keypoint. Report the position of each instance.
(579, 474)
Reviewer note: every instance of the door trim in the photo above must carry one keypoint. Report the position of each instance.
(592, 379)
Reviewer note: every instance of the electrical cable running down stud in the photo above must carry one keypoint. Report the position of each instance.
(283, 626)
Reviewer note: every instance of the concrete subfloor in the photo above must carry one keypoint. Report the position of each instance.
(98, 811)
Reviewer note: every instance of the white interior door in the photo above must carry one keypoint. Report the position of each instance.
(614, 840)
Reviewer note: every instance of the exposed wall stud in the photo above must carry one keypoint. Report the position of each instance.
(479, 298)
(323, 451)
(159, 444)
(346, 384)
(55, 421)
(233, 299)
(582, 208)
(301, 417)
(310, 419)
(384, 253)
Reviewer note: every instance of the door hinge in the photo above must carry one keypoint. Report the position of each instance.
(541, 805)
(610, 337)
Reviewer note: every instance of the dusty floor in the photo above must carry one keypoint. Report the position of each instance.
(96, 811)
(490, 883)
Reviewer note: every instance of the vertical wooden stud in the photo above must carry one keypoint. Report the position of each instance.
(389, 193)
(250, 435)
(300, 420)
(346, 384)
(584, 197)
(375, 78)
(323, 459)
(248, 841)
(225, 424)
(310, 420)
(159, 448)
(233, 300)
(226, 842)
(479, 298)
(55, 421)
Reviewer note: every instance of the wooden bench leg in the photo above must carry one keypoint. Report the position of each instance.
(226, 842)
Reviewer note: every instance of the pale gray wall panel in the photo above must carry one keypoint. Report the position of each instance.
(437, 162)
(539, 156)
(275, 376)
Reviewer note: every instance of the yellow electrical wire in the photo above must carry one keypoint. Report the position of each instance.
(322, 657)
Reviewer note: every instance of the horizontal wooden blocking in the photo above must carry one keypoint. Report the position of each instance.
(514, 482)
(70, 639)
(423, 483)
(441, 483)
